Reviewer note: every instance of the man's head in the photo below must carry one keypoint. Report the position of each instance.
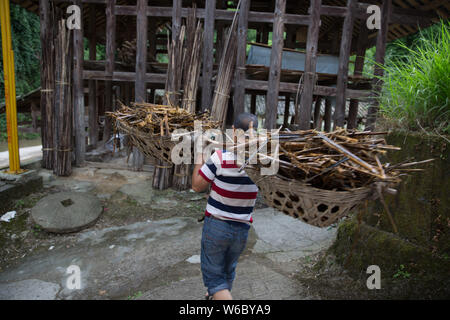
(243, 120)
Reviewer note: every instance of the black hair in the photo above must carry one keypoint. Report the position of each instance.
(243, 120)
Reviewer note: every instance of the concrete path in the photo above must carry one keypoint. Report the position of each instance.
(160, 260)
(26, 154)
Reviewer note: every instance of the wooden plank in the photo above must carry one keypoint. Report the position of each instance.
(303, 116)
(275, 65)
(359, 67)
(92, 95)
(344, 55)
(239, 90)
(379, 59)
(78, 94)
(208, 44)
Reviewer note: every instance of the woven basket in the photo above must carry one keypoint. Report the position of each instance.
(159, 147)
(317, 207)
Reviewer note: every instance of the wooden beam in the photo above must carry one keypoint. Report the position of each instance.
(344, 55)
(92, 96)
(208, 45)
(239, 90)
(303, 116)
(78, 94)
(152, 78)
(289, 87)
(275, 65)
(220, 14)
(379, 60)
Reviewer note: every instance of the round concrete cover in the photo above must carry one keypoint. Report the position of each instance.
(66, 211)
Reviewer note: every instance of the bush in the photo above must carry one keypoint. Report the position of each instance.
(416, 86)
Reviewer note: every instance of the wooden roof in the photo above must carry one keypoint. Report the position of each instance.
(430, 12)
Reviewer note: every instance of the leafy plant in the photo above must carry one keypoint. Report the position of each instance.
(401, 272)
(134, 296)
(416, 90)
(25, 30)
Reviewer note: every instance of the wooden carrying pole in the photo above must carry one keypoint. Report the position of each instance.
(10, 89)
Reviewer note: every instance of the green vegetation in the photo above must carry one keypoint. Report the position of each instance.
(27, 47)
(21, 118)
(416, 87)
(401, 272)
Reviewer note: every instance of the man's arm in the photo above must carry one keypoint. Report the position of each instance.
(199, 183)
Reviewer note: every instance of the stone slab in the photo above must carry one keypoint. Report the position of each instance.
(66, 211)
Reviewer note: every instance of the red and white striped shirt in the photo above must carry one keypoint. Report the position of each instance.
(233, 194)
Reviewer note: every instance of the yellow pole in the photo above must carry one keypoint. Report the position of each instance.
(10, 88)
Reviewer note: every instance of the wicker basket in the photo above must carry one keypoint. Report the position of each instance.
(317, 207)
(156, 146)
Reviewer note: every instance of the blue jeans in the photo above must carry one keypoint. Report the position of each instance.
(222, 244)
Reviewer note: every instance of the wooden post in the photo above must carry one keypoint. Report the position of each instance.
(239, 87)
(47, 82)
(141, 50)
(359, 67)
(309, 77)
(344, 55)
(140, 86)
(78, 93)
(317, 118)
(379, 60)
(208, 44)
(327, 115)
(287, 104)
(93, 108)
(110, 51)
(275, 65)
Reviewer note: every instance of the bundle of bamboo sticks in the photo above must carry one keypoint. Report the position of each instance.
(225, 74)
(338, 160)
(159, 120)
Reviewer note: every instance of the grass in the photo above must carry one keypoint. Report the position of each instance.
(416, 86)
